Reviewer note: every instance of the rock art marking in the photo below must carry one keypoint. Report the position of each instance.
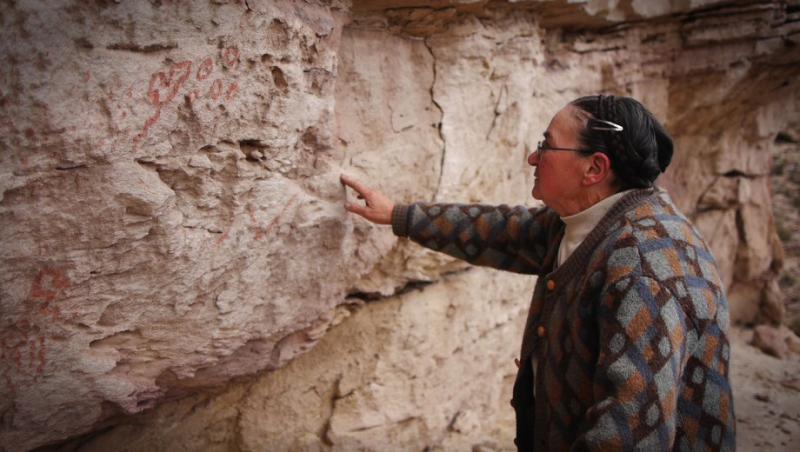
(23, 346)
(165, 84)
(48, 286)
(260, 231)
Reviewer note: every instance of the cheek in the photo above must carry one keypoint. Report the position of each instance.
(546, 168)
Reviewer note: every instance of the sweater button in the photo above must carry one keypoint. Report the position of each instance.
(540, 331)
(551, 285)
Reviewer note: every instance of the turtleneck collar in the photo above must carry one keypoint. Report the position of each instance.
(579, 225)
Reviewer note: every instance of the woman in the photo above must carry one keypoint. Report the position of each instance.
(625, 346)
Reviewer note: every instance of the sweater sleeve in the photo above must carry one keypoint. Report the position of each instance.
(502, 237)
(643, 351)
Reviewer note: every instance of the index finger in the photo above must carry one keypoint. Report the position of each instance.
(354, 184)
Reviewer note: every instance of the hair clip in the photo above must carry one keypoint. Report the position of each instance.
(612, 127)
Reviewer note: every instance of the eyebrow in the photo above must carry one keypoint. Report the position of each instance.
(547, 135)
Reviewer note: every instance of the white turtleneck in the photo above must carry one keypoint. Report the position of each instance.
(581, 224)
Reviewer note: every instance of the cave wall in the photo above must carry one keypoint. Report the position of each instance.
(173, 221)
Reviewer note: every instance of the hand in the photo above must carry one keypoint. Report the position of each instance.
(378, 209)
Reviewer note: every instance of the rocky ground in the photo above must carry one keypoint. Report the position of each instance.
(766, 397)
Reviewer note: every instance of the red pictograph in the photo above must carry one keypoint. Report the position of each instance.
(171, 82)
(165, 85)
(23, 345)
(48, 286)
(216, 89)
(233, 90)
(205, 69)
(260, 231)
(230, 57)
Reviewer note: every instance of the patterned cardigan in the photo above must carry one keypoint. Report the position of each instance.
(627, 339)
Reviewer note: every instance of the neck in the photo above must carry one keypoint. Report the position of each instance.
(585, 200)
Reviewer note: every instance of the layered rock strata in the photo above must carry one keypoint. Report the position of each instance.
(172, 218)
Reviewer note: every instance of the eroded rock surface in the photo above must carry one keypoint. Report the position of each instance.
(173, 220)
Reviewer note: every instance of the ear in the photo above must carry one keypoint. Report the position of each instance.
(598, 169)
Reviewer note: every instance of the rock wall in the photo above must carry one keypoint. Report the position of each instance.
(172, 219)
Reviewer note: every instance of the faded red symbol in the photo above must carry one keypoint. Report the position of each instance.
(24, 345)
(216, 89)
(261, 231)
(165, 85)
(48, 285)
(171, 82)
(233, 89)
(230, 57)
(222, 237)
(205, 69)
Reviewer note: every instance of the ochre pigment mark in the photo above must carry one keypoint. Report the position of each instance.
(171, 81)
(262, 232)
(233, 90)
(165, 85)
(24, 343)
(222, 237)
(48, 286)
(205, 69)
(216, 89)
(230, 57)
(259, 231)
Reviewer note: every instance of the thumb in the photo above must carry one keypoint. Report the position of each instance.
(354, 208)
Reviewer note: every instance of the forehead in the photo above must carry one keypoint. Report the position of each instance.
(563, 126)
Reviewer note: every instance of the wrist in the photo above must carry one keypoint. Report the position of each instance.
(399, 222)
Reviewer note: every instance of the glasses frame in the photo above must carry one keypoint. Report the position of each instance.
(605, 126)
(541, 149)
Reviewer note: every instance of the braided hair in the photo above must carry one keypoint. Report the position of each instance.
(639, 152)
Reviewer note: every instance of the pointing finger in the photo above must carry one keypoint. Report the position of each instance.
(354, 184)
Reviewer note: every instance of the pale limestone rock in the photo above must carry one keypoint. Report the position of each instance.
(720, 231)
(173, 220)
(397, 373)
(143, 255)
(779, 342)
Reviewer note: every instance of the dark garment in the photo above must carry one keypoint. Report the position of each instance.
(627, 339)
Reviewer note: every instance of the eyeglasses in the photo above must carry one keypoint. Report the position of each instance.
(594, 124)
(541, 147)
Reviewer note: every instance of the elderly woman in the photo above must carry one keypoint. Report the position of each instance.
(625, 346)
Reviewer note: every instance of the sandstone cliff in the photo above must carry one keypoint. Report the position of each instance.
(172, 220)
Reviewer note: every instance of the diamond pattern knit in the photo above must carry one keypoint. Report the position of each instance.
(627, 339)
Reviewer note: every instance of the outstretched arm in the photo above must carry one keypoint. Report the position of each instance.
(503, 237)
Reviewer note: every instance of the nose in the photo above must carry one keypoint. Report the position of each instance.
(533, 158)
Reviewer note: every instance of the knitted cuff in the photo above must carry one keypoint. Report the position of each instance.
(400, 220)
